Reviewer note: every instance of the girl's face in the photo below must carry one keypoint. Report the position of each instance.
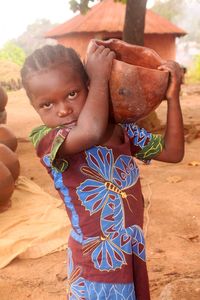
(58, 95)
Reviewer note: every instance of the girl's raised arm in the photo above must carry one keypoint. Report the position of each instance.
(93, 119)
(173, 150)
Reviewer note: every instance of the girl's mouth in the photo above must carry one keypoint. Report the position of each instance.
(69, 124)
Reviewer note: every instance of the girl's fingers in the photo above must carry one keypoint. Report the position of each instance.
(92, 47)
(163, 68)
(169, 65)
(106, 51)
(100, 49)
(112, 54)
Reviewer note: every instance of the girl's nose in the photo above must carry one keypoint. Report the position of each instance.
(64, 110)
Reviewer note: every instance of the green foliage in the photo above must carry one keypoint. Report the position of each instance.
(83, 5)
(194, 72)
(11, 52)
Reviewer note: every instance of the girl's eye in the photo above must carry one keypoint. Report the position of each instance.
(47, 105)
(72, 95)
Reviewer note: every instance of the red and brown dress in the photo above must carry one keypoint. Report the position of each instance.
(102, 194)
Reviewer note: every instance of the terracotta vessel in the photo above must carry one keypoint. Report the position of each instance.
(10, 160)
(7, 137)
(3, 116)
(6, 187)
(137, 87)
(3, 99)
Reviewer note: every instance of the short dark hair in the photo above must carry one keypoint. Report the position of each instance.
(48, 57)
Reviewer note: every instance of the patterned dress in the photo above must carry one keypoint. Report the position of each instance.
(102, 194)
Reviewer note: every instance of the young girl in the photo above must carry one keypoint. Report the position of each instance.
(91, 163)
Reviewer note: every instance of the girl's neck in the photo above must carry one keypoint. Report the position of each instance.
(114, 136)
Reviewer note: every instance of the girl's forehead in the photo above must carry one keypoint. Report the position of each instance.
(57, 73)
(61, 69)
(53, 80)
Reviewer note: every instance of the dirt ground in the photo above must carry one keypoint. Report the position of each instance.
(172, 193)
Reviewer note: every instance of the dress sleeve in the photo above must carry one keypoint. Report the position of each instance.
(144, 145)
(47, 142)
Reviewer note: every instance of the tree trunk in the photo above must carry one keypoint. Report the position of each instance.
(133, 31)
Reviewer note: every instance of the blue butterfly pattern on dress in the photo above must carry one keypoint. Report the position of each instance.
(77, 287)
(80, 288)
(106, 192)
(75, 283)
(139, 135)
(109, 291)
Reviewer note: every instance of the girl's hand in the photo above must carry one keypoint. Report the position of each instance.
(175, 78)
(99, 62)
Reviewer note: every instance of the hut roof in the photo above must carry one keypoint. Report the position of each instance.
(108, 16)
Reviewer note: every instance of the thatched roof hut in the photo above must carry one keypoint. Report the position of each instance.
(106, 20)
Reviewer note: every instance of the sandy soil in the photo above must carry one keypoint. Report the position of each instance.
(172, 193)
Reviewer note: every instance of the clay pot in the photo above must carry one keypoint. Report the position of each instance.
(10, 160)
(3, 99)
(6, 187)
(3, 116)
(7, 137)
(136, 86)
